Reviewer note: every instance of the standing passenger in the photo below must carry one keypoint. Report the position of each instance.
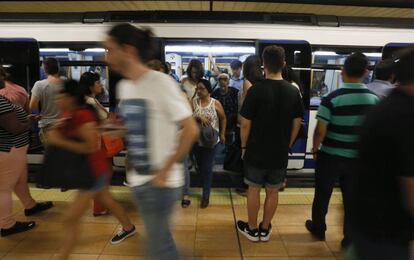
(227, 96)
(14, 142)
(14, 93)
(195, 72)
(383, 216)
(154, 110)
(271, 118)
(44, 93)
(384, 78)
(252, 74)
(340, 116)
(208, 112)
(236, 80)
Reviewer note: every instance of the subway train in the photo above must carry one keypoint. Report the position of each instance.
(316, 53)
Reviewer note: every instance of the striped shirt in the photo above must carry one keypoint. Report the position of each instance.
(7, 139)
(344, 111)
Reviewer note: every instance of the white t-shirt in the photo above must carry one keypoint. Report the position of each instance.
(152, 106)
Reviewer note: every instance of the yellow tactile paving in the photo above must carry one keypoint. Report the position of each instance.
(194, 229)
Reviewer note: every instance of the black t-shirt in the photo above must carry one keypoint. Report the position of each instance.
(271, 105)
(386, 154)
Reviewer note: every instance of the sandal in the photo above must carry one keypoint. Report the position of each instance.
(185, 203)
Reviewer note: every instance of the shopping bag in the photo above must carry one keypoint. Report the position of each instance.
(64, 169)
(112, 145)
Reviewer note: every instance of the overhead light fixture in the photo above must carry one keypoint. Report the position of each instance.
(373, 54)
(6, 65)
(54, 50)
(207, 49)
(95, 50)
(325, 53)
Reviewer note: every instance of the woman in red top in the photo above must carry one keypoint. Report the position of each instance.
(80, 121)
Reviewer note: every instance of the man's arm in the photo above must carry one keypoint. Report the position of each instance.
(34, 104)
(215, 70)
(407, 194)
(318, 136)
(223, 121)
(245, 126)
(296, 123)
(189, 134)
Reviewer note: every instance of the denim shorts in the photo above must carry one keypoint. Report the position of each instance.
(99, 183)
(256, 177)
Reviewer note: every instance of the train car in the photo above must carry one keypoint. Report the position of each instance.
(316, 53)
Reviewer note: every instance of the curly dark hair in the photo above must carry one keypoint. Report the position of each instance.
(197, 65)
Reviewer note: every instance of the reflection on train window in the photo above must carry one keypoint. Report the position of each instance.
(74, 72)
(179, 56)
(338, 58)
(68, 56)
(325, 81)
(326, 73)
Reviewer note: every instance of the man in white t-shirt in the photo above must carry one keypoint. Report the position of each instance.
(154, 111)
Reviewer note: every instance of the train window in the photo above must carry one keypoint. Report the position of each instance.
(179, 53)
(327, 65)
(74, 62)
(298, 55)
(391, 49)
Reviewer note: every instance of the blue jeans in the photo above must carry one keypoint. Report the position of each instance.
(205, 161)
(155, 205)
(186, 187)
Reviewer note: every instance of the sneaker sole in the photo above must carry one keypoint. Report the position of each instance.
(266, 238)
(253, 239)
(119, 241)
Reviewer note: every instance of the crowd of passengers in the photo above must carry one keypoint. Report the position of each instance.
(363, 138)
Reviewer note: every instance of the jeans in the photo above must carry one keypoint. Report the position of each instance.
(155, 206)
(205, 161)
(328, 169)
(186, 187)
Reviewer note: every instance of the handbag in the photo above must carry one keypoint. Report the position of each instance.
(233, 161)
(209, 137)
(64, 169)
(112, 145)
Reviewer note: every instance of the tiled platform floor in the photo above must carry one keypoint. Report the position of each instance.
(199, 233)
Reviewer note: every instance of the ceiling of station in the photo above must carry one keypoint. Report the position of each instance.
(250, 6)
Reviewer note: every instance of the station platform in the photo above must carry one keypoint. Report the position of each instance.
(199, 233)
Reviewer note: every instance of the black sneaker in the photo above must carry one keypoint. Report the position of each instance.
(204, 203)
(317, 234)
(17, 228)
(122, 235)
(39, 207)
(243, 228)
(265, 233)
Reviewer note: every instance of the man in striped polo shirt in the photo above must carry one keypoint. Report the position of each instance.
(340, 115)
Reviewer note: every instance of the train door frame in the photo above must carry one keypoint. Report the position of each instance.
(389, 49)
(21, 51)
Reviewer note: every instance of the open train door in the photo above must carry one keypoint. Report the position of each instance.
(20, 57)
(299, 57)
